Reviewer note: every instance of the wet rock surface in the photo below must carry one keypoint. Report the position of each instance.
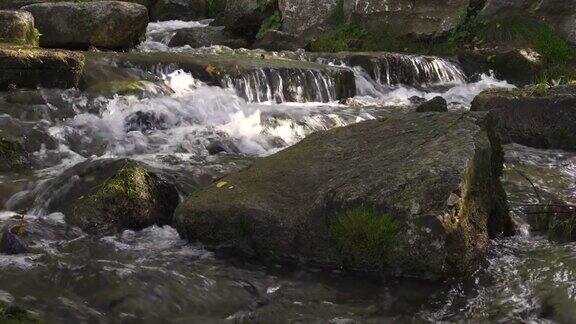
(105, 24)
(536, 116)
(443, 204)
(31, 67)
(106, 196)
(436, 104)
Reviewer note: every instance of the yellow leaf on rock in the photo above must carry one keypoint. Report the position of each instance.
(221, 184)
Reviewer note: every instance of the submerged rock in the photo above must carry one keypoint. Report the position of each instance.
(436, 104)
(105, 24)
(430, 196)
(205, 37)
(31, 67)
(17, 27)
(535, 116)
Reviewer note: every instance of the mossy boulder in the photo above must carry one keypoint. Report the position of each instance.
(17, 27)
(12, 314)
(133, 197)
(26, 67)
(537, 116)
(423, 201)
(104, 24)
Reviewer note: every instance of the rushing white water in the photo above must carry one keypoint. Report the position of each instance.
(193, 117)
(159, 34)
(371, 92)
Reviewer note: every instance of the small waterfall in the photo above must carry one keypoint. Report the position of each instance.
(283, 85)
(394, 69)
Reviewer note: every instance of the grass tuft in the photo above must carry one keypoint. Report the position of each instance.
(366, 239)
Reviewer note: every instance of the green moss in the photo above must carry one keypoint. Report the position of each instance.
(273, 22)
(110, 88)
(10, 314)
(10, 150)
(131, 182)
(212, 8)
(342, 39)
(366, 239)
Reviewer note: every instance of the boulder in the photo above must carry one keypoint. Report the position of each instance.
(245, 18)
(307, 17)
(423, 201)
(32, 68)
(17, 27)
(275, 40)
(205, 37)
(107, 196)
(558, 14)
(535, 116)
(104, 24)
(519, 66)
(178, 10)
(421, 19)
(436, 104)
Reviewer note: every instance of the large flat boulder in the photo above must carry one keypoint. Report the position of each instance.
(104, 24)
(17, 27)
(421, 19)
(409, 194)
(23, 67)
(535, 116)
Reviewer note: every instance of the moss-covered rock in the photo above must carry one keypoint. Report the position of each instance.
(26, 67)
(17, 27)
(12, 156)
(125, 87)
(431, 194)
(133, 197)
(538, 116)
(11, 314)
(79, 25)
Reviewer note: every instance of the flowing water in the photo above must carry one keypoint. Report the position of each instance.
(200, 132)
